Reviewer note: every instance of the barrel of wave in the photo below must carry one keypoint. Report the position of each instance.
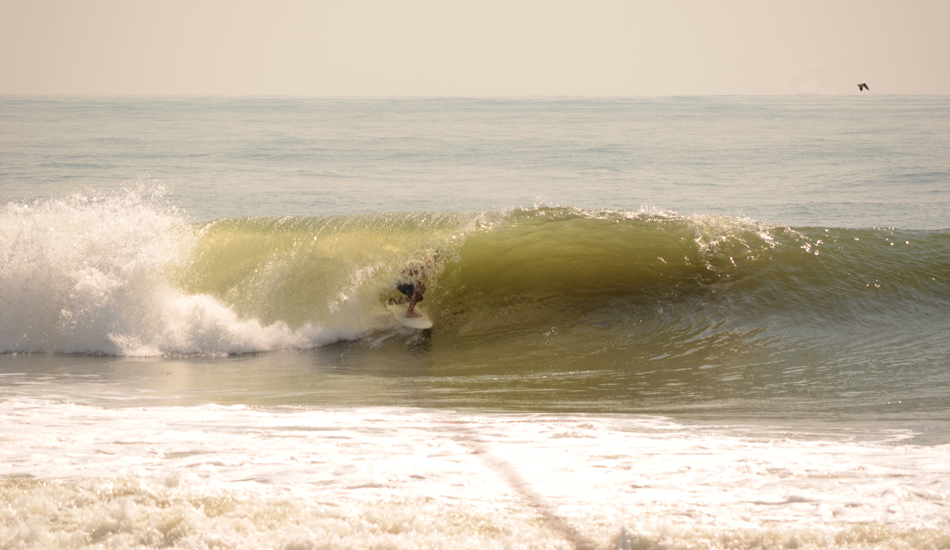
(519, 264)
(334, 270)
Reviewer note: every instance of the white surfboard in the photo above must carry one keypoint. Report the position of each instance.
(399, 313)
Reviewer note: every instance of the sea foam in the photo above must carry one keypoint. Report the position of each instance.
(298, 478)
(88, 273)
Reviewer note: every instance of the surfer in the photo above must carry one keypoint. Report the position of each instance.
(414, 288)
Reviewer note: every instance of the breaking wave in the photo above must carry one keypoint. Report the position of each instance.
(129, 274)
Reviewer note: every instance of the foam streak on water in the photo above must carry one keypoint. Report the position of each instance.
(238, 477)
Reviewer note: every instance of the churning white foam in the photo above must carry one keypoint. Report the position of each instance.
(89, 274)
(289, 478)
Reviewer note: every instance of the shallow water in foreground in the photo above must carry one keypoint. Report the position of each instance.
(242, 477)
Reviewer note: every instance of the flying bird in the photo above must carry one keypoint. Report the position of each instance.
(862, 87)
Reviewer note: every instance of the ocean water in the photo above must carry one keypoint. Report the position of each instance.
(659, 323)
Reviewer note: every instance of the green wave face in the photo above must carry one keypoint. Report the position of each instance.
(572, 290)
(533, 265)
(301, 270)
(315, 270)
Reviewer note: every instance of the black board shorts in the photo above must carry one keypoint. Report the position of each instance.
(408, 289)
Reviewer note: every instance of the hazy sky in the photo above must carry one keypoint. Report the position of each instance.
(474, 48)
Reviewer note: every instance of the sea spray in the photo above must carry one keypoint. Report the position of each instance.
(88, 273)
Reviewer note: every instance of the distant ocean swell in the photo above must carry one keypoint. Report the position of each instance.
(127, 274)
